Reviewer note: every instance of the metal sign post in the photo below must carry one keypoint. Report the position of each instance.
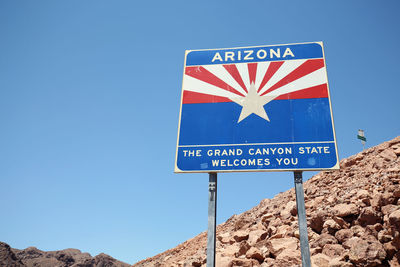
(212, 221)
(301, 214)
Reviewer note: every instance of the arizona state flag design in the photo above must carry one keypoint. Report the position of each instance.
(256, 108)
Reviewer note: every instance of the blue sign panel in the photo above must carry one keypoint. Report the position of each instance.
(256, 109)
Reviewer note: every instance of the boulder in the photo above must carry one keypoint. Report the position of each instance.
(288, 257)
(225, 238)
(364, 253)
(316, 220)
(368, 216)
(243, 248)
(394, 219)
(388, 155)
(256, 236)
(276, 246)
(343, 235)
(322, 240)
(336, 262)
(320, 260)
(333, 250)
(240, 235)
(255, 253)
(343, 210)
(245, 262)
(330, 226)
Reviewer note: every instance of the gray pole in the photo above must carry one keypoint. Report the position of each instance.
(301, 213)
(212, 215)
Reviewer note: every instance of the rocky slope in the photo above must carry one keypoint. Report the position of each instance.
(353, 216)
(32, 256)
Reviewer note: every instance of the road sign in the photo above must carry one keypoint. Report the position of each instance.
(263, 108)
(361, 136)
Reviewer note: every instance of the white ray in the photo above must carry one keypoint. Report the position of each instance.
(286, 68)
(223, 74)
(262, 68)
(253, 103)
(315, 78)
(244, 73)
(195, 85)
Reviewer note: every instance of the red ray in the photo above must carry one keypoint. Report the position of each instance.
(233, 71)
(318, 91)
(304, 69)
(204, 75)
(252, 72)
(190, 97)
(272, 68)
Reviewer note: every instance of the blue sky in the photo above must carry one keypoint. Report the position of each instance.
(89, 106)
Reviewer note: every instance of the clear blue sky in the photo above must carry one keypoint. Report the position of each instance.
(89, 103)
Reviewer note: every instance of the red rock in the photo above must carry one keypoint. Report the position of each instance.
(395, 262)
(343, 210)
(245, 262)
(388, 198)
(343, 235)
(315, 251)
(376, 200)
(240, 235)
(394, 219)
(222, 261)
(330, 226)
(363, 194)
(289, 210)
(320, 260)
(358, 230)
(333, 250)
(396, 192)
(268, 262)
(276, 246)
(351, 242)
(388, 155)
(255, 253)
(369, 215)
(337, 262)
(397, 150)
(225, 238)
(322, 240)
(390, 249)
(384, 236)
(243, 248)
(230, 250)
(342, 223)
(288, 257)
(283, 231)
(386, 210)
(267, 218)
(317, 220)
(312, 236)
(241, 222)
(256, 236)
(364, 253)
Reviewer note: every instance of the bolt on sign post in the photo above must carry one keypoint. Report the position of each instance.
(263, 108)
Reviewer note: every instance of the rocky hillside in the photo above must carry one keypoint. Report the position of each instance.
(31, 257)
(353, 216)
